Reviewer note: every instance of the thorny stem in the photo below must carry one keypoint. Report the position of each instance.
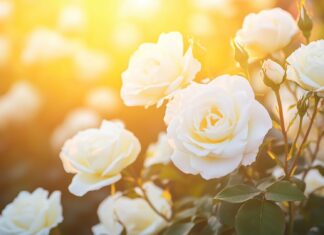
(293, 147)
(314, 154)
(284, 133)
(305, 137)
(283, 128)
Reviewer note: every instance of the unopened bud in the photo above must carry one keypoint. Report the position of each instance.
(305, 23)
(274, 74)
(302, 105)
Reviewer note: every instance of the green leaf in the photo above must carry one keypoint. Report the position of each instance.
(185, 214)
(176, 229)
(299, 183)
(238, 193)
(226, 213)
(284, 191)
(259, 217)
(265, 183)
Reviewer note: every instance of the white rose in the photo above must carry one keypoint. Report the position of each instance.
(266, 32)
(105, 100)
(44, 45)
(6, 9)
(97, 156)
(273, 71)
(72, 19)
(159, 152)
(135, 214)
(306, 66)
(20, 104)
(156, 71)
(314, 180)
(32, 213)
(216, 127)
(90, 64)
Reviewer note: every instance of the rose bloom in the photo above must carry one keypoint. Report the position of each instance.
(97, 156)
(273, 71)
(156, 71)
(306, 66)
(216, 127)
(104, 100)
(32, 213)
(19, 105)
(72, 19)
(44, 45)
(159, 152)
(266, 32)
(134, 213)
(90, 64)
(314, 182)
(6, 10)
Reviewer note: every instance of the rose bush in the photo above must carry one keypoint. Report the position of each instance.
(231, 166)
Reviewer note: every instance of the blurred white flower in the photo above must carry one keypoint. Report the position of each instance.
(90, 64)
(72, 19)
(159, 152)
(306, 66)
(104, 100)
(142, 9)
(134, 213)
(32, 213)
(5, 50)
(44, 45)
(267, 32)
(273, 71)
(97, 156)
(157, 70)
(314, 180)
(278, 172)
(6, 9)
(216, 127)
(20, 104)
(126, 36)
(77, 120)
(201, 24)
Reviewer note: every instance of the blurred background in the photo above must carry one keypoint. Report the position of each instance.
(60, 72)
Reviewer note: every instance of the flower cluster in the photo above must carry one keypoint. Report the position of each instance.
(256, 158)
